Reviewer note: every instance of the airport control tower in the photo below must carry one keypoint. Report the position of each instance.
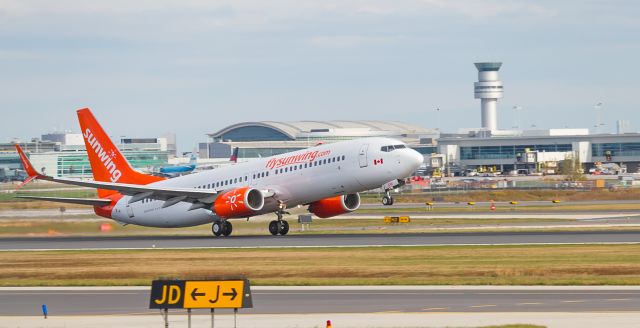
(488, 89)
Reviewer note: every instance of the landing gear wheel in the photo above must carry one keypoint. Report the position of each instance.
(216, 228)
(387, 200)
(273, 227)
(283, 227)
(227, 228)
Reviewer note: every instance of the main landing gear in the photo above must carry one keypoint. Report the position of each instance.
(221, 228)
(279, 226)
(387, 200)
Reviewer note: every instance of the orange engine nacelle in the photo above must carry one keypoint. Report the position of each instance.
(239, 202)
(328, 207)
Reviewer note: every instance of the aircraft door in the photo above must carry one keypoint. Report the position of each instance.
(362, 156)
(129, 211)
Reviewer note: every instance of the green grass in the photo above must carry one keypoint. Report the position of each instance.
(439, 265)
(73, 193)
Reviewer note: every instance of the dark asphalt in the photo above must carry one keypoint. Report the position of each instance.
(102, 302)
(479, 238)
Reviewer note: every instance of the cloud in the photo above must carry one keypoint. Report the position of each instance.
(491, 8)
(345, 41)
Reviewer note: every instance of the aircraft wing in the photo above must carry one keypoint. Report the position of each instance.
(199, 197)
(189, 194)
(81, 201)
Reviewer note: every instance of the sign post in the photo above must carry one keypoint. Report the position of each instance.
(200, 294)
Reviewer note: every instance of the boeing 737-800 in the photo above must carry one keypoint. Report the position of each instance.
(326, 178)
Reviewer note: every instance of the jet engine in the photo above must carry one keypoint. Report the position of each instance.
(240, 202)
(328, 207)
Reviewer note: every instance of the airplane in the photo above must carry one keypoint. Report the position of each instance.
(327, 178)
(177, 170)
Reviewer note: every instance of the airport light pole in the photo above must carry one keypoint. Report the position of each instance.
(598, 109)
(516, 109)
(438, 117)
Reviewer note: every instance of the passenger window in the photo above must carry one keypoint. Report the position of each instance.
(343, 157)
(267, 174)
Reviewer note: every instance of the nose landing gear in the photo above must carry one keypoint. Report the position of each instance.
(387, 200)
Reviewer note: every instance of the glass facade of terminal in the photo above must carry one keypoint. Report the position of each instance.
(253, 133)
(10, 166)
(616, 149)
(76, 164)
(507, 152)
(426, 150)
(10, 161)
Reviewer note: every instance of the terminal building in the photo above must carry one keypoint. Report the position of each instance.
(503, 152)
(63, 154)
(268, 138)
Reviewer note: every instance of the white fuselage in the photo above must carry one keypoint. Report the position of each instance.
(296, 178)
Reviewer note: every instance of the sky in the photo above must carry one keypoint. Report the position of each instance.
(193, 67)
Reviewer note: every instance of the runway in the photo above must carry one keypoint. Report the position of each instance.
(309, 300)
(320, 240)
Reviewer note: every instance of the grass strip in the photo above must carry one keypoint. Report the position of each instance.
(441, 265)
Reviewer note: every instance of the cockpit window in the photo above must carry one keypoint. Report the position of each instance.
(392, 147)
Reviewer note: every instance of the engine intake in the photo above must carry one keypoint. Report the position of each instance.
(239, 202)
(328, 207)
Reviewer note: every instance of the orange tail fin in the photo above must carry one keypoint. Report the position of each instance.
(107, 163)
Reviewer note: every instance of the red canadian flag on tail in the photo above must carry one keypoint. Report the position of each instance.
(377, 161)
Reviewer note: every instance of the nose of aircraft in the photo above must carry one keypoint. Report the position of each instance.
(414, 159)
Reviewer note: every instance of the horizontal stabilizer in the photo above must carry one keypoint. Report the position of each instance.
(81, 201)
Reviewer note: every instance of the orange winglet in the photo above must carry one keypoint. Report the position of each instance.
(33, 174)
